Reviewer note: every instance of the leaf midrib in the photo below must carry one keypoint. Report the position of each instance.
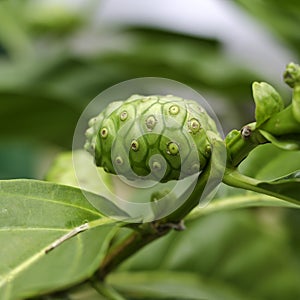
(51, 201)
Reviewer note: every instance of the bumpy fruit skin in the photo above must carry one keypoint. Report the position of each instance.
(151, 137)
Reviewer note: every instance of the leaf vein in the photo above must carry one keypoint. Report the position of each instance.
(52, 201)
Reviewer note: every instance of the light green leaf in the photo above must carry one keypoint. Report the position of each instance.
(267, 100)
(288, 186)
(267, 169)
(291, 142)
(35, 214)
(268, 162)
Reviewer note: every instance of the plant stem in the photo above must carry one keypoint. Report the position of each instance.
(149, 232)
(130, 245)
(233, 178)
(239, 146)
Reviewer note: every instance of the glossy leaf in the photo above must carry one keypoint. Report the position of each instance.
(268, 162)
(34, 214)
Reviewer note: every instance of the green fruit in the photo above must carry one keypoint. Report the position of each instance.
(157, 137)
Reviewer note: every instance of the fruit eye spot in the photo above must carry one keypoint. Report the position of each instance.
(150, 122)
(119, 160)
(195, 168)
(135, 145)
(194, 125)
(174, 110)
(123, 115)
(104, 132)
(156, 166)
(208, 150)
(172, 148)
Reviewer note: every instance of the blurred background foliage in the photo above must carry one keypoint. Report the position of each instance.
(56, 56)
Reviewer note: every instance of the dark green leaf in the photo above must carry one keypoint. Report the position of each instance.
(34, 214)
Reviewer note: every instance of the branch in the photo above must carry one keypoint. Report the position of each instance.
(147, 233)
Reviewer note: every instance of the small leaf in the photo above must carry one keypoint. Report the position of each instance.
(288, 142)
(267, 100)
(34, 214)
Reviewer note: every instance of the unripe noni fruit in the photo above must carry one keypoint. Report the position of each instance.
(151, 137)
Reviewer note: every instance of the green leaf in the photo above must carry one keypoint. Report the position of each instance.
(288, 186)
(170, 285)
(285, 189)
(35, 214)
(267, 100)
(268, 162)
(275, 176)
(286, 142)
